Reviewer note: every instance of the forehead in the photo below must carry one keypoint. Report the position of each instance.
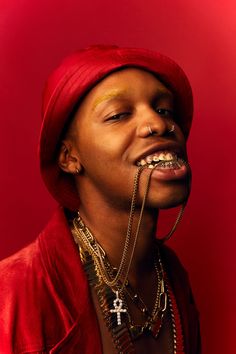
(125, 83)
(128, 77)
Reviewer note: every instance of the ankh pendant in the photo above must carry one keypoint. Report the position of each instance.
(118, 303)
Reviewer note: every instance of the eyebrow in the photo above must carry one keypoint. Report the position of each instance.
(164, 95)
(108, 97)
(115, 94)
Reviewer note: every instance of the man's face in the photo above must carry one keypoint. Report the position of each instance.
(110, 136)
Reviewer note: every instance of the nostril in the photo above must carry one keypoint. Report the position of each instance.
(151, 129)
(151, 132)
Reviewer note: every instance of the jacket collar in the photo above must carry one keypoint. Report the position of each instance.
(62, 261)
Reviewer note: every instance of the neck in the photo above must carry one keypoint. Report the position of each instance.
(110, 230)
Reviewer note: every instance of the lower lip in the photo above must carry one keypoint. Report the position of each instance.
(169, 174)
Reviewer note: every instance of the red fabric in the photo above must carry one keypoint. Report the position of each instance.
(74, 78)
(45, 304)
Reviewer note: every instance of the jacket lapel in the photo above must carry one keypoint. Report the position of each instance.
(62, 261)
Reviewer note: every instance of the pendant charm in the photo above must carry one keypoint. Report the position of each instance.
(118, 303)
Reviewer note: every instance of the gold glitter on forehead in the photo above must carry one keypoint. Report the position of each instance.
(109, 96)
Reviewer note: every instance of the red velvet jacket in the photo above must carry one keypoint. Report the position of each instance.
(45, 304)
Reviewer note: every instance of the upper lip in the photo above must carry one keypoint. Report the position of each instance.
(167, 146)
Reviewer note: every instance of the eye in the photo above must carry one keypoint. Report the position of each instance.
(118, 116)
(165, 112)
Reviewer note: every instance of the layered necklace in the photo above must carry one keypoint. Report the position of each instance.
(112, 286)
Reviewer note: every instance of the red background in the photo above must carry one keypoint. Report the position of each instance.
(200, 36)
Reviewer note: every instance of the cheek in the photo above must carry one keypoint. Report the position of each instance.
(100, 148)
(98, 162)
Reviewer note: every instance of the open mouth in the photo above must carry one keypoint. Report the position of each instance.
(162, 160)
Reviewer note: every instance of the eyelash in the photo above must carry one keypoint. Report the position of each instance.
(117, 116)
(162, 111)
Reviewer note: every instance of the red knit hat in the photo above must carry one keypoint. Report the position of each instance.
(69, 83)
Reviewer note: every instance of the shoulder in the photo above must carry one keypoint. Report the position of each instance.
(19, 267)
(43, 291)
(28, 265)
(32, 314)
(22, 282)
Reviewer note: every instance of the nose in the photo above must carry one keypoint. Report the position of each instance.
(151, 123)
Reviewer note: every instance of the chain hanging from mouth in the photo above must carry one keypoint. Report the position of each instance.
(82, 230)
(165, 238)
(86, 235)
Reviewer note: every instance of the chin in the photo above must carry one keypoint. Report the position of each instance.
(169, 198)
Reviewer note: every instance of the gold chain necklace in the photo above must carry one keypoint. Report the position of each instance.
(124, 333)
(106, 298)
(154, 319)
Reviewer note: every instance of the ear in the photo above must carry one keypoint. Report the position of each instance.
(68, 159)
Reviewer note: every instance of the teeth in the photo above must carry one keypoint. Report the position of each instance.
(170, 164)
(169, 156)
(152, 160)
(155, 158)
(149, 159)
(162, 157)
(143, 162)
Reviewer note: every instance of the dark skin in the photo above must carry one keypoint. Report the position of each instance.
(107, 137)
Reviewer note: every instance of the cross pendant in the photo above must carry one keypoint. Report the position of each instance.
(118, 303)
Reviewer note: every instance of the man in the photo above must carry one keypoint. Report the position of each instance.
(112, 153)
